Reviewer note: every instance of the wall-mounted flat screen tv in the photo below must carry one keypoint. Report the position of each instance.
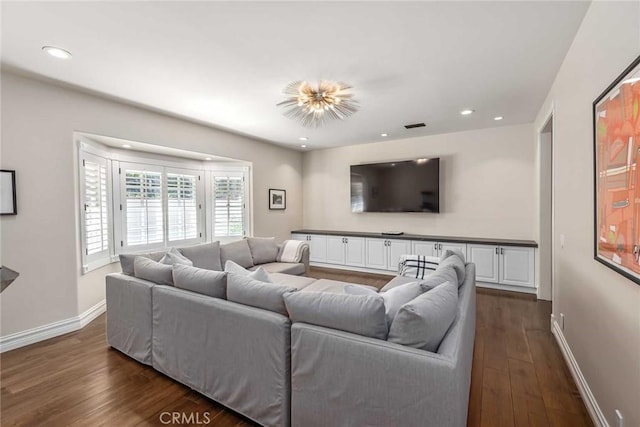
(405, 186)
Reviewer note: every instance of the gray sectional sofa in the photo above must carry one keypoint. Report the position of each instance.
(280, 372)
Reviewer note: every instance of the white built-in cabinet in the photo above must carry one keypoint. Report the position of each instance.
(505, 265)
(384, 254)
(513, 266)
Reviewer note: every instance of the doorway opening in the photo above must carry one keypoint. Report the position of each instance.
(545, 214)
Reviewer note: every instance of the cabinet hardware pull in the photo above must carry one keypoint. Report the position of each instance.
(497, 251)
(501, 251)
(346, 240)
(435, 246)
(440, 246)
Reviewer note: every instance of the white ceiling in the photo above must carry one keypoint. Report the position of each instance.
(226, 63)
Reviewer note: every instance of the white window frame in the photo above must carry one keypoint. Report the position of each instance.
(200, 202)
(102, 258)
(242, 171)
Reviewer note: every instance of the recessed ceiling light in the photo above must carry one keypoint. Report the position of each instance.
(207, 158)
(466, 112)
(126, 146)
(303, 138)
(303, 146)
(498, 118)
(56, 52)
(383, 134)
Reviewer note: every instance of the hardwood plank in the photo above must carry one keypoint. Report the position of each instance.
(497, 407)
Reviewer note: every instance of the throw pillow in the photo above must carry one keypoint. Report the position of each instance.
(126, 260)
(173, 257)
(393, 298)
(457, 264)
(268, 296)
(206, 255)
(450, 252)
(358, 314)
(153, 271)
(206, 282)
(259, 273)
(423, 322)
(263, 249)
(417, 266)
(237, 252)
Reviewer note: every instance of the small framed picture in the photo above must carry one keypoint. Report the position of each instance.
(277, 199)
(8, 193)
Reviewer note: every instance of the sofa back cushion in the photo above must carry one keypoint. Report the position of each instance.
(446, 273)
(423, 322)
(126, 260)
(153, 271)
(206, 255)
(358, 314)
(456, 262)
(393, 298)
(237, 252)
(263, 249)
(268, 296)
(199, 280)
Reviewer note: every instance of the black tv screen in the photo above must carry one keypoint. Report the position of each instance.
(405, 186)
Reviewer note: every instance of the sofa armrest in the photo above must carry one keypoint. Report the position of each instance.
(305, 259)
(346, 379)
(129, 315)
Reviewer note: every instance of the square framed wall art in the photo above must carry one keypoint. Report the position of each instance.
(277, 199)
(8, 192)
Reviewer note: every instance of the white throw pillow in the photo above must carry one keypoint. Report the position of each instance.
(174, 257)
(258, 274)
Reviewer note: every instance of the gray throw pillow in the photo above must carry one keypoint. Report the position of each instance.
(237, 252)
(393, 298)
(259, 274)
(126, 260)
(423, 322)
(173, 257)
(458, 266)
(268, 296)
(206, 255)
(206, 282)
(443, 274)
(450, 252)
(358, 314)
(153, 271)
(263, 249)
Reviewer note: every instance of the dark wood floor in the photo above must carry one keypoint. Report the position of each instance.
(519, 377)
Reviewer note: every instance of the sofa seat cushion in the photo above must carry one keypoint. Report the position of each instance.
(298, 282)
(268, 296)
(237, 252)
(206, 255)
(423, 322)
(358, 314)
(281, 267)
(263, 249)
(333, 286)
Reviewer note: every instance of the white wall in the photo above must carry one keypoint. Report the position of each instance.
(487, 185)
(42, 243)
(601, 307)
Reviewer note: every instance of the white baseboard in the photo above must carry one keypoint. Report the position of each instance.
(41, 333)
(594, 410)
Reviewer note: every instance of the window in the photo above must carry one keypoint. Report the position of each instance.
(94, 199)
(143, 207)
(229, 214)
(182, 206)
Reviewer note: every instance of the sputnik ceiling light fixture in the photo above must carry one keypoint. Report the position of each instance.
(313, 106)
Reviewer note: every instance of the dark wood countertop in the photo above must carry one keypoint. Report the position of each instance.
(424, 237)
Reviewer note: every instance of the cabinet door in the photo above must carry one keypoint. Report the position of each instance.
(318, 248)
(517, 266)
(485, 258)
(376, 254)
(395, 249)
(442, 247)
(296, 236)
(424, 248)
(335, 249)
(355, 251)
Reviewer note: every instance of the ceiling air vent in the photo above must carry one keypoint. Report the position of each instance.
(415, 125)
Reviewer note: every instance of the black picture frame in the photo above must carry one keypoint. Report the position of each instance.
(277, 199)
(8, 192)
(615, 254)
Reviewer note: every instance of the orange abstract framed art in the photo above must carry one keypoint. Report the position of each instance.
(616, 135)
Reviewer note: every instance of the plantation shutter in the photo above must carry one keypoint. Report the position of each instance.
(228, 205)
(182, 206)
(144, 222)
(95, 207)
